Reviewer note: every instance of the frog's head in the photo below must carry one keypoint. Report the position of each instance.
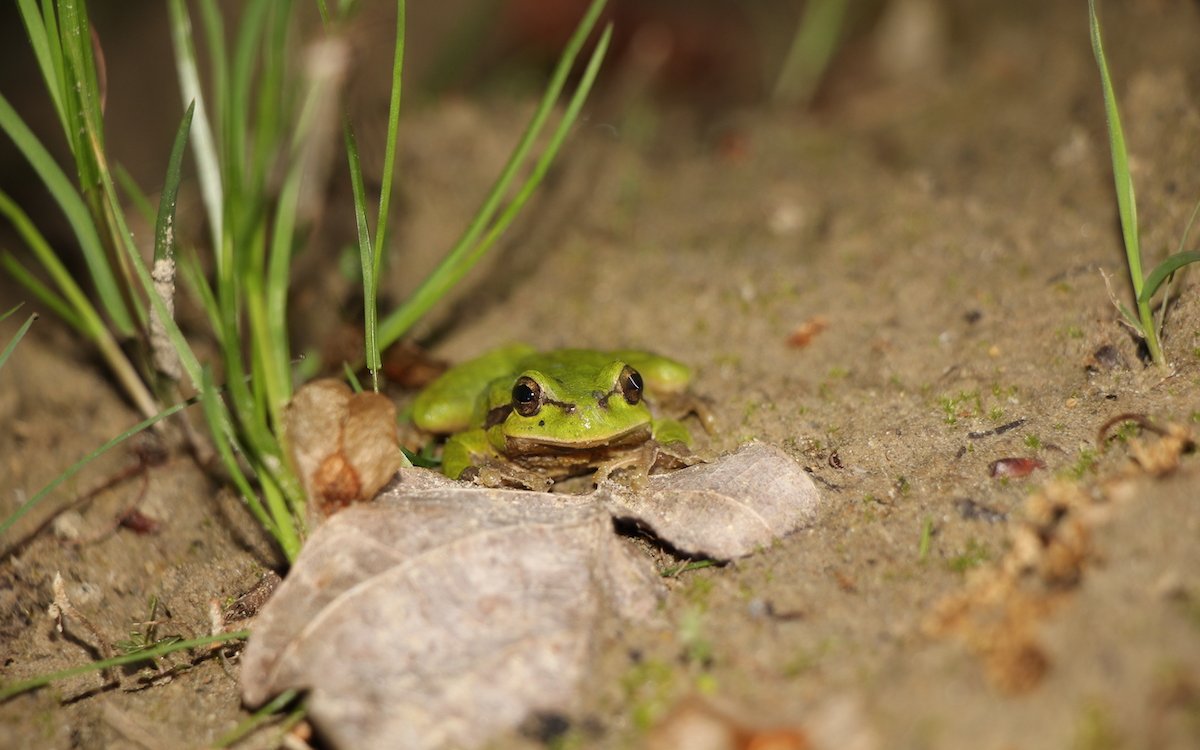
(576, 409)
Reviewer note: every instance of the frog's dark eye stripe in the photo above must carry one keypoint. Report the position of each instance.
(496, 416)
(526, 396)
(629, 382)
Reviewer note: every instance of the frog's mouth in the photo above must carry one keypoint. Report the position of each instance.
(534, 451)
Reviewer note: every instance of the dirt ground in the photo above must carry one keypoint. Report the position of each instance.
(943, 234)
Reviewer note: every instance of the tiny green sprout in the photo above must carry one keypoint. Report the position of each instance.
(698, 591)
(698, 649)
(973, 555)
(926, 540)
(1095, 730)
(144, 636)
(1126, 431)
(749, 410)
(996, 413)
(949, 410)
(902, 485)
(1083, 464)
(1144, 285)
(1033, 442)
(1195, 417)
(648, 686)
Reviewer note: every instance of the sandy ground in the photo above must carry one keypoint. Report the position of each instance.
(948, 239)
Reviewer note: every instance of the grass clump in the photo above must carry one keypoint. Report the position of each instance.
(1145, 286)
(250, 121)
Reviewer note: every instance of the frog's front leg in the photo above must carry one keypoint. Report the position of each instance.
(668, 450)
(672, 445)
(470, 456)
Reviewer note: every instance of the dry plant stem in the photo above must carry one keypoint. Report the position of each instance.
(130, 729)
(61, 609)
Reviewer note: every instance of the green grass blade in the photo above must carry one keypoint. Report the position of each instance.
(551, 150)
(24, 686)
(11, 312)
(372, 258)
(213, 21)
(45, 294)
(166, 359)
(273, 338)
(1126, 203)
(365, 252)
(134, 194)
(16, 339)
(193, 276)
(351, 378)
(272, 114)
(257, 719)
(77, 215)
(236, 120)
(164, 225)
(451, 268)
(121, 232)
(48, 57)
(204, 148)
(389, 156)
(78, 465)
(80, 313)
(83, 92)
(221, 429)
(813, 45)
(1164, 270)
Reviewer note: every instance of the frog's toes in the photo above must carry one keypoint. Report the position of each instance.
(673, 455)
(500, 475)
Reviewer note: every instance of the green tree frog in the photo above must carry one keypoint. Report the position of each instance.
(518, 417)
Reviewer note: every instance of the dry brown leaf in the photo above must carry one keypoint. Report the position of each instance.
(437, 617)
(729, 508)
(344, 445)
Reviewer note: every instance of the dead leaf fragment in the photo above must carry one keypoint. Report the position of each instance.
(803, 334)
(1015, 468)
(438, 617)
(729, 508)
(698, 723)
(345, 445)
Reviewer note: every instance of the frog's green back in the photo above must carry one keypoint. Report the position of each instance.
(447, 403)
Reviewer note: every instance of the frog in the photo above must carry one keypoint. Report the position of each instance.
(517, 417)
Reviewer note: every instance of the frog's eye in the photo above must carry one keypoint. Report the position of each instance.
(527, 396)
(630, 384)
